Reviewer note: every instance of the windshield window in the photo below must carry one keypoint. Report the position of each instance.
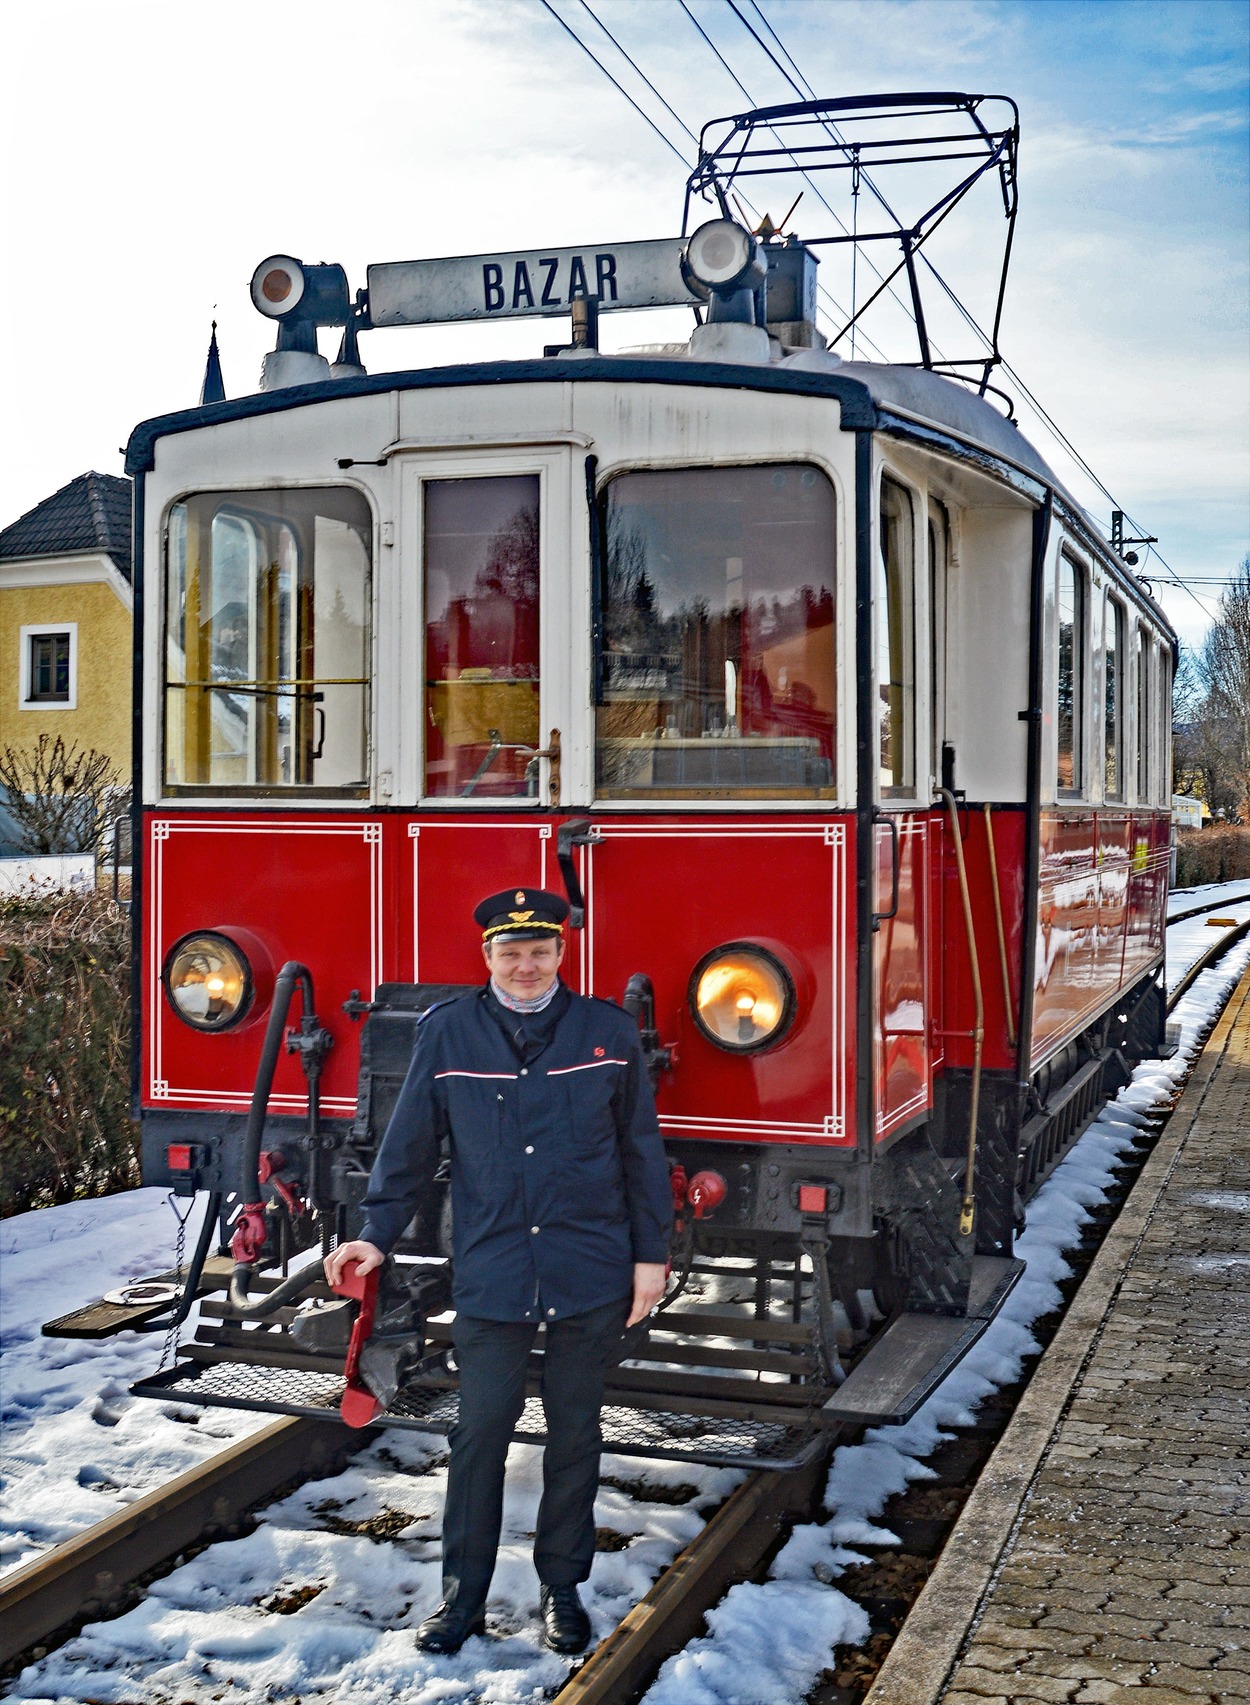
(716, 635)
(267, 640)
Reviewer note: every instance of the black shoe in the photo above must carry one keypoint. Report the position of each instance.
(566, 1626)
(449, 1627)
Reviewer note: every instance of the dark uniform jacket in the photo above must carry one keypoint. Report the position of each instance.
(559, 1182)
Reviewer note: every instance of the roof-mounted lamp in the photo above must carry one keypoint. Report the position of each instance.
(725, 263)
(300, 298)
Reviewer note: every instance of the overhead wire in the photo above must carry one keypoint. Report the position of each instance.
(823, 289)
(803, 87)
(641, 111)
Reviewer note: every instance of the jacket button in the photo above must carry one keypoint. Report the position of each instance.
(529, 1148)
(551, 1313)
(499, 1098)
(533, 1231)
(525, 1071)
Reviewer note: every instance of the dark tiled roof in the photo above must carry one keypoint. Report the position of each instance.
(91, 513)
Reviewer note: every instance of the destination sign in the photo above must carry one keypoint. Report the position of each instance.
(535, 282)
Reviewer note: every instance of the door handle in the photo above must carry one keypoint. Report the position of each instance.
(887, 817)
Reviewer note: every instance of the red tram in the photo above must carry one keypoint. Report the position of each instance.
(842, 724)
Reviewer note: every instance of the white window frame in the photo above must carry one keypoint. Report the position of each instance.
(38, 630)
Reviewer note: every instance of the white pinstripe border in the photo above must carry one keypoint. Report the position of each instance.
(161, 830)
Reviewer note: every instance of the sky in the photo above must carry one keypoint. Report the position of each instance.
(157, 150)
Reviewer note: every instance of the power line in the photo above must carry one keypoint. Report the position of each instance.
(824, 291)
(642, 113)
(659, 97)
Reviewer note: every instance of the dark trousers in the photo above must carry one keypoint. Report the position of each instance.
(492, 1357)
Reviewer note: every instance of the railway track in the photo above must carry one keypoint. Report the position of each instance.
(106, 1567)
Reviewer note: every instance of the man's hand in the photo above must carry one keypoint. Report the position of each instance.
(367, 1256)
(649, 1281)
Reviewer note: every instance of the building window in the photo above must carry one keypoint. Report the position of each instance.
(49, 667)
(1071, 694)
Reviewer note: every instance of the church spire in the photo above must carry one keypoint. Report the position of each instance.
(213, 389)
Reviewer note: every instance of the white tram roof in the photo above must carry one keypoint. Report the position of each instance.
(922, 406)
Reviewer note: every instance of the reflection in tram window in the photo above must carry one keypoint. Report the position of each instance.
(715, 625)
(481, 638)
(267, 611)
(896, 643)
(1113, 694)
(1070, 709)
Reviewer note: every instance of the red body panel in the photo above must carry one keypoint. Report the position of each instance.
(1104, 874)
(363, 900)
(369, 898)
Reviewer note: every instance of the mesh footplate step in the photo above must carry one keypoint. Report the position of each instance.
(719, 1442)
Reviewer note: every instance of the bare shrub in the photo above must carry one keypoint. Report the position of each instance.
(1218, 854)
(65, 1125)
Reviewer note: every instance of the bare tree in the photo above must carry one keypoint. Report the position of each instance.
(63, 799)
(1224, 670)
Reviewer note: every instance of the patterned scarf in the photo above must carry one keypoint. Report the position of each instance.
(538, 1004)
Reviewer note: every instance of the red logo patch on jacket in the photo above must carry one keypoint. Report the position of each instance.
(599, 1053)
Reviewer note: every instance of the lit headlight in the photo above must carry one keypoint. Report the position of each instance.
(208, 981)
(742, 997)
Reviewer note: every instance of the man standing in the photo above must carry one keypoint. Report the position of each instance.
(561, 1213)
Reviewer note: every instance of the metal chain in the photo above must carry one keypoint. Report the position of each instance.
(180, 1244)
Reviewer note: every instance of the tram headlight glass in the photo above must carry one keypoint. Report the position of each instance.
(742, 997)
(277, 286)
(208, 981)
(720, 253)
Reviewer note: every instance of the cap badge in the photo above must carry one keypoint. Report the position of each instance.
(520, 917)
(520, 896)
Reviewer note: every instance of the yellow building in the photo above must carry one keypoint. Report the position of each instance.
(65, 620)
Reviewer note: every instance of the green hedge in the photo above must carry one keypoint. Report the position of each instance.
(65, 1125)
(1220, 853)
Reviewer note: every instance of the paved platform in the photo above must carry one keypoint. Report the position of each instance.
(1104, 1556)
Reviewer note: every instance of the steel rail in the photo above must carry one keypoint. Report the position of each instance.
(97, 1569)
(1218, 948)
(728, 1549)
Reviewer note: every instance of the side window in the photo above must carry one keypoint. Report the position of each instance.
(1113, 698)
(267, 624)
(896, 643)
(481, 637)
(1163, 727)
(1070, 703)
(715, 669)
(939, 534)
(48, 667)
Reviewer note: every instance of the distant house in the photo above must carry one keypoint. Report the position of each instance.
(66, 608)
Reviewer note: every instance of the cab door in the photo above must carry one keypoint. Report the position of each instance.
(482, 665)
(903, 826)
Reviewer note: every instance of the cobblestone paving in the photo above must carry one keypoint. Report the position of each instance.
(1128, 1579)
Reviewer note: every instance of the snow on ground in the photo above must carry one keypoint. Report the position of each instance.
(76, 1445)
(1181, 899)
(318, 1604)
(1189, 940)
